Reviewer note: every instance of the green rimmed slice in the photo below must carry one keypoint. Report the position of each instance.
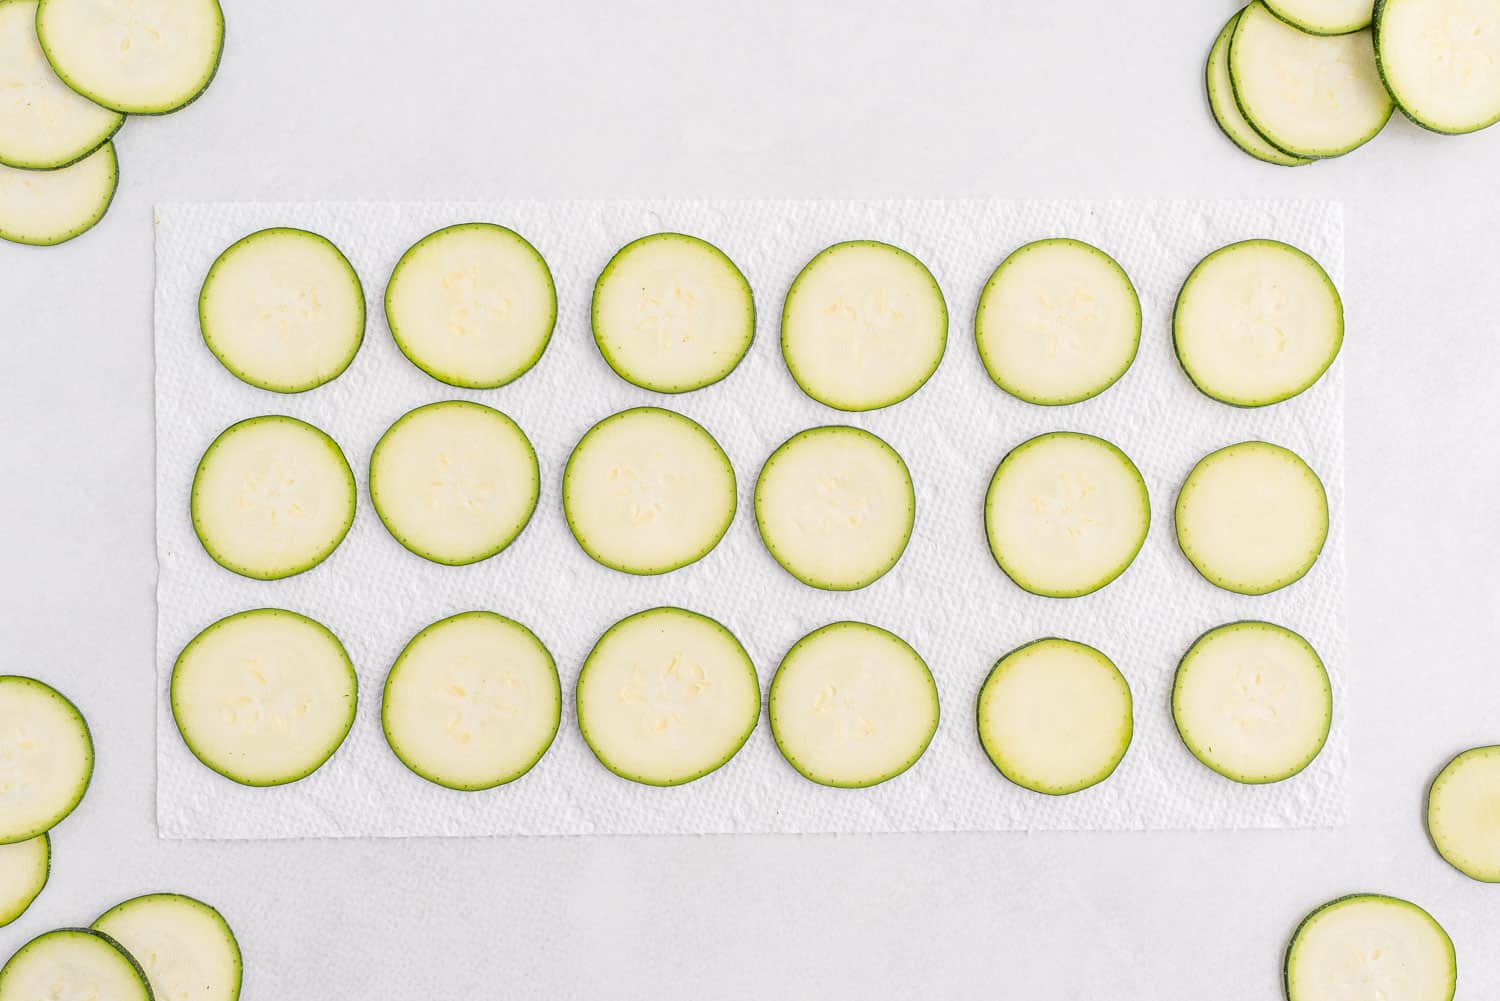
(43, 208)
(1370, 946)
(73, 963)
(24, 868)
(1463, 813)
(46, 758)
(1324, 17)
(184, 947)
(1226, 110)
(1440, 59)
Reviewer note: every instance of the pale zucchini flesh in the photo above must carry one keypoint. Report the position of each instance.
(1440, 59)
(672, 313)
(1370, 947)
(1463, 813)
(184, 947)
(46, 207)
(864, 326)
(273, 497)
(472, 702)
(1226, 110)
(667, 696)
(73, 963)
(24, 868)
(1324, 17)
(647, 491)
(46, 758)
(264, 697)
(454, 482)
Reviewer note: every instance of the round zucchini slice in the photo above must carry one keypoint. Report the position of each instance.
(454, 482)
(667, 696)
(184, 947)
(472, 305)
(264, 697)
(44, 125)
(73, 963)
(864, 326)
(1058, 322)
(835, 506)
(24, 868)
(1323, 17)
(132, 57)
(1440, 59)
(1055, 716)
(46, 758)
(1307, 95)
(46, 207)
(672, 313)
(473, 702)
(647, 491)
(852, 705)
(1066, 514)
(1368, 945)
(1227, 112)
(272, 498)
(1463, 813)
(1257, 322)
(283, 310)
(1252, 517)
(1252, 701)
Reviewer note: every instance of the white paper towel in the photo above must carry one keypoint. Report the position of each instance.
(946, 596)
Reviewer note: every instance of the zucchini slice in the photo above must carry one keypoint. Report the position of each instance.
(1227, 112)
(1463, 813)
(264, 697)
(864, 326)
(73, 963)
(835, 506)
(1252, 517)
(472, 305)
(1066, 514)
(283, 310)
(46, 758)
(647, 491)
(24, 868)
(1324, 17)
(454, 482)
(1308, 95)
(473, 702)
(1058, 322)
(46, 207)
(184, 947)
(43, 123)
(672, 313)
(667, 696)
(1252, 701)
(272, 497)
(1440, 59)
(1368, 945)
(852, 705)
(1055, 716)
(1257, 322)
(136, 58)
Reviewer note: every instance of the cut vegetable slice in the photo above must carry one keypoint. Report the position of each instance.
(46, 758)
(1440, 59)
(184, 947)
(1257, 322)
(835, 507)
(141, 57)
(647, 491)
(1252, 517)
(283, 310)
(472, 305)
(264, 697)
(1252, 701)
(72, 963)
(1324, 17)
(454, 482)
(864, 326)
(47, 207)
(1058, 322)
(672, 313)
(1463, 813)
(1066, 514)
(1370, 946)
(43, 124)
(1055, 716)
(1308, 95)
(272, 497)
(1227, 112)
(24, 868)
(473, 702)
(667, 696)
(853, 705)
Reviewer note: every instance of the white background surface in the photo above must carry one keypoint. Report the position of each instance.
(1067, 99)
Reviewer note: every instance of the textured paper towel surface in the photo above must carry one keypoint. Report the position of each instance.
(946, 596)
